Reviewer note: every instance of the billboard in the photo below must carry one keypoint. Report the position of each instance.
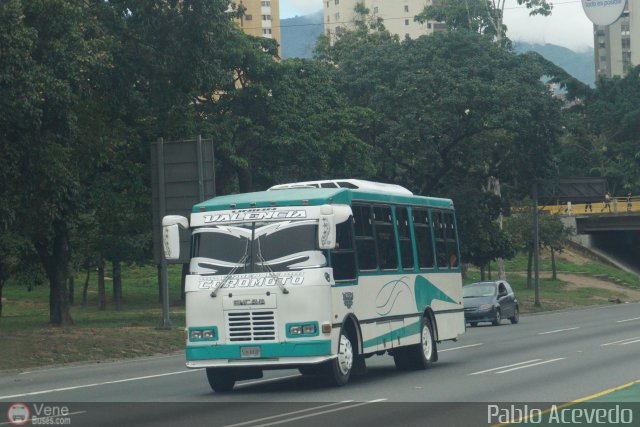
(183, 174)
(603, 12)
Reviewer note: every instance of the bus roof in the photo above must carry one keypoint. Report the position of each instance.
(314, 197)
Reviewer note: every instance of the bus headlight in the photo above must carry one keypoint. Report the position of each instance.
(207, 333)
(304, 329)
(309, 329)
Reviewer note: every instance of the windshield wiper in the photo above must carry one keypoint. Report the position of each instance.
(242, 262)
(269, 269)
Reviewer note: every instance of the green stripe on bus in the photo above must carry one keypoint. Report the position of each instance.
(285, 349)
(403, 332)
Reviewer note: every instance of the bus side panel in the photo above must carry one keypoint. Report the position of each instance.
(449, 318)
(389, 307)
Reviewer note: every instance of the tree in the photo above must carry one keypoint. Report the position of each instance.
(480, 16)
(481, 240)
(613, 116)
(553, 233)
(287, 121)
(452, 105)
(450, 111)
(58, 42)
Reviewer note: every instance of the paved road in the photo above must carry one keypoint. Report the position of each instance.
(553, 357)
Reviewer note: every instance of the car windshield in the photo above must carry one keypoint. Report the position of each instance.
(479, 290)
(257, 247)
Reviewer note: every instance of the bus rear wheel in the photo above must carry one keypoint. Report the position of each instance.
(339, 369)
(418, 356)
(220, 379)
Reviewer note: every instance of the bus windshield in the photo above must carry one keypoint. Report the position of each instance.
(257, 247)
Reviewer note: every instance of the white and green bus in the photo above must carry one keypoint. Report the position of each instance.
(318, 276)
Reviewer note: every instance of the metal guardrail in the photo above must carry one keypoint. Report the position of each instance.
(618, 205)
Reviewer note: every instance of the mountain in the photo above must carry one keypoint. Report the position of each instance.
(299, 34)
(579, 64)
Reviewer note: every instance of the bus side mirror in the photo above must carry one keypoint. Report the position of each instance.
(327, 228)
(171, 235)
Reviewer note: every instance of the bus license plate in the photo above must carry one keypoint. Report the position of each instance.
(249, 351)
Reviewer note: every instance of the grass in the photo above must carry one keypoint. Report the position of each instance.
(554, 294)
(27, 340)
(592, 268)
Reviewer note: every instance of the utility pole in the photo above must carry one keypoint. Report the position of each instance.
(536, 247)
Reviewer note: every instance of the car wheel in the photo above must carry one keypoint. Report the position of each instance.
(221, 379)
(473, 324)
(339, 369)
(498, 318)
(516, 316)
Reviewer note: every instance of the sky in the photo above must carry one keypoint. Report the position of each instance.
(567, 26)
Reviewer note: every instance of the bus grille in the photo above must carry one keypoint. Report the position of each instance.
(251, 326)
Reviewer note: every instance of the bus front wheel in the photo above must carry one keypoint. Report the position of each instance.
(339, 369)
(221, 379)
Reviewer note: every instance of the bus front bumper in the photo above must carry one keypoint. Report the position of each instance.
(270, 354)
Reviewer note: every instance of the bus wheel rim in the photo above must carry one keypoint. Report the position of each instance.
(427, 344)
(345, 355)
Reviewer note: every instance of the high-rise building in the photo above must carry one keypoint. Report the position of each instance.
(617, 46)
(397, 16)
(262, 19)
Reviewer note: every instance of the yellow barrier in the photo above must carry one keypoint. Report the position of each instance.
(618, 206)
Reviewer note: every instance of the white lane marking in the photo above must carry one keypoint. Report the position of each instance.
(620, 341)
(630, 342)
(289, 413)
(502, 367)
(461, 347)
(53, 390)
(267, 380)
(52, 417)
(627, 320)
(315, 414)
(558, 330)
(529, 366)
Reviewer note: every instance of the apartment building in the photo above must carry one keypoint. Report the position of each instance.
(397, 16)
(262, 19)
(617, 46)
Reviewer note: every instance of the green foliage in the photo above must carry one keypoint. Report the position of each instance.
(479, 16)
(613, 113)
(87, 85)
(285, 122)
(469, 15)
(552, 232)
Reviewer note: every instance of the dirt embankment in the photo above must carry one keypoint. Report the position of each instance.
(576, 281)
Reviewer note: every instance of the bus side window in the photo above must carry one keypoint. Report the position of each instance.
(439, 232)
(365, 242)
(451, 240)
(404, 237)
(343, 257)
(424, 242)
(385, 238)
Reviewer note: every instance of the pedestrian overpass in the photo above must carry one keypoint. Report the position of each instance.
(612, 232)
(620, 215)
